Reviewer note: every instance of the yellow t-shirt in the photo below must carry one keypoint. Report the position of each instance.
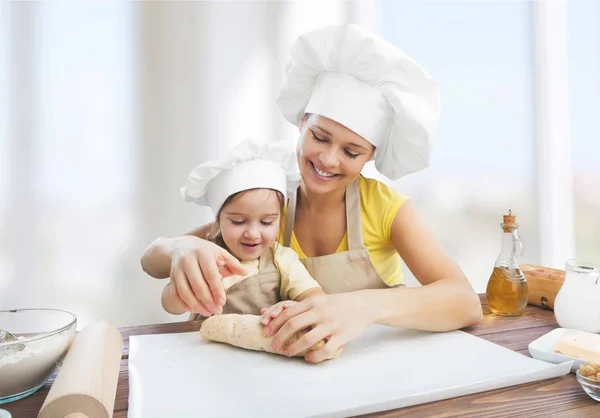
(295, 279)
(378, 207)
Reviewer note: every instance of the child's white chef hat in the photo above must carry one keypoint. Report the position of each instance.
(370, 86)
(251, 164)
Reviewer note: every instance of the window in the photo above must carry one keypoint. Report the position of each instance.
(4, 97)
(72, 221)
(584, 72)
(483, 160)
(5, 265)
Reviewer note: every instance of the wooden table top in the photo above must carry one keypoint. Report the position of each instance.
(557, 397)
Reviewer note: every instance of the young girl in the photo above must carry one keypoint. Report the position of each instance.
(247, 191)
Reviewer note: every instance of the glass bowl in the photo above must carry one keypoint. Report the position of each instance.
(44, 337)
(590, 386)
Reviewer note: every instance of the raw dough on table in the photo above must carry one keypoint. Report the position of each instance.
(246, 331)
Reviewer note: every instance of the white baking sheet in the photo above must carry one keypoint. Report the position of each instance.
(180, 375)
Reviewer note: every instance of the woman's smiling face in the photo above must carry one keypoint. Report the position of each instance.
(330, 156)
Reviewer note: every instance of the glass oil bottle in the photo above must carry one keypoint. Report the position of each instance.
(507, 290)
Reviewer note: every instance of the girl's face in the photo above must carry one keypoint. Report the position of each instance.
(249, 224)
(330, 155)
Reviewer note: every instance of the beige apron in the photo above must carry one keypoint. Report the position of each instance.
(255, 292)
(345, 271)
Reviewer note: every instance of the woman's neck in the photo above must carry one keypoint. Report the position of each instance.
(318, 202)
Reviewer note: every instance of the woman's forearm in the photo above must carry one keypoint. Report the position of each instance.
(441, 306)
(156, 260)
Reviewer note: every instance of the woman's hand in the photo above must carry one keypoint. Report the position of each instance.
(197, 268)
(267, 314)
(338, 318)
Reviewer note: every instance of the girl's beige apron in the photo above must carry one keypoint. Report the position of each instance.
(255, 292)
(345, 271)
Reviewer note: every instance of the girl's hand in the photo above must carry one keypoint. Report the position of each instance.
(267, 314)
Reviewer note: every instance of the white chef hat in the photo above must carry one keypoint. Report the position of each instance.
(251, 164)
(370, 86)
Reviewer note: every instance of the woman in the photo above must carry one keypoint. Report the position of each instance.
(355, 98)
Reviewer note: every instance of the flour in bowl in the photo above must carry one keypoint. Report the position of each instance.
(30, 367)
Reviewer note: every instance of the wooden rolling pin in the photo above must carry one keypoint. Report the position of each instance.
(86, 383)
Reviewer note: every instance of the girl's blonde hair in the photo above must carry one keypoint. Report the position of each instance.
(214, 234)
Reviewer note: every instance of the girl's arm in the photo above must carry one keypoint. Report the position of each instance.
(171, 303)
